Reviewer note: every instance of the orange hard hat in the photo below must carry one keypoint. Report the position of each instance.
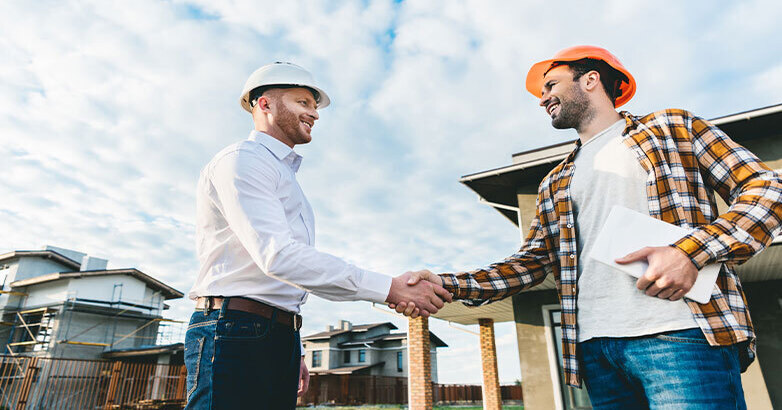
(536, 73)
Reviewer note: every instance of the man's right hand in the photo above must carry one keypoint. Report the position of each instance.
(426, 296)
(408, 307)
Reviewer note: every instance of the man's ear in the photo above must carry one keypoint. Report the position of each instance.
(263, 104)
(591, 80)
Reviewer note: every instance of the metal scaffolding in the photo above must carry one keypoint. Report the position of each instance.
(32, 330)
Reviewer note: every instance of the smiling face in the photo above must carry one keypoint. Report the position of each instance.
(294, 113)
(564, 100)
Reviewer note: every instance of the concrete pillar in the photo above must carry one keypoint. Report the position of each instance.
(419, 385)
(492, 399)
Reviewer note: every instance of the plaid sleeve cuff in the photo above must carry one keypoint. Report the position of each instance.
(451, 284)
(695, 250)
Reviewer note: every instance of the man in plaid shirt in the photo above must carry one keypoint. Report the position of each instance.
(638, 343)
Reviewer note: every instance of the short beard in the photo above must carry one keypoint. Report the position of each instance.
(573, 112)
(289, 123)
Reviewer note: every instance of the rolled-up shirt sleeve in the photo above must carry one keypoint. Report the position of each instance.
(245, 189)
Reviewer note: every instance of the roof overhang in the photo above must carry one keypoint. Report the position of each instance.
(354, 329)
(347, 369)
(500, 311)
(52, 255)
(167, 291)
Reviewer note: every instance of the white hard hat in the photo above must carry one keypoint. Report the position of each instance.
(281, 73)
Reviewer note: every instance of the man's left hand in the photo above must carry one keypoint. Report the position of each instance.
(304, 378)
(670, 274)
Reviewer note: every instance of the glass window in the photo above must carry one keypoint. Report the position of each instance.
(362, 356)
(316, 358)
(399, 361)
(346, 356)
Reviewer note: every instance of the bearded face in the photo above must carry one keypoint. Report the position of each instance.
(291, 125)
(565, 101)
(294, 111)
(574, 109)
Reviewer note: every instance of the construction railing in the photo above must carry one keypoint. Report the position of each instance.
(47, 383)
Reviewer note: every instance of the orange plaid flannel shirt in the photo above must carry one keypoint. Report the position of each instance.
(688, 159)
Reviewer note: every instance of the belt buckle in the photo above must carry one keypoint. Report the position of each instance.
(297, 322)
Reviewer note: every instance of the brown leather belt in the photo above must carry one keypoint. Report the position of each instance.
(250, 306)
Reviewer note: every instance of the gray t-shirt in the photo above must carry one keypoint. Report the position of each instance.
(609, 305)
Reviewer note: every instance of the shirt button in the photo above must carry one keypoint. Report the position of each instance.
(572, 256)
(573, 290)
(569, 226)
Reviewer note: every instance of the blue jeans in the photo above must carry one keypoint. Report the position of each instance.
(238, 360)
(671, 370)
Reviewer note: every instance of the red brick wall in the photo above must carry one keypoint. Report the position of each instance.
(491, 381)
(419, 364)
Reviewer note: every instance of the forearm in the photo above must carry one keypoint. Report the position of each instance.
(323, 274)
(496, 281)
(748, 226)
(753, 218)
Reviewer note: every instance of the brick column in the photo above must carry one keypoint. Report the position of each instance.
(419, 365)
(491, 381)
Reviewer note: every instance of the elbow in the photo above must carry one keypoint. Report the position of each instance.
(275, 256)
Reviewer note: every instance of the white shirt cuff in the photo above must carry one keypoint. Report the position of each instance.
(374, 287)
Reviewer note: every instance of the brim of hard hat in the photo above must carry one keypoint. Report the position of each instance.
(538, 70)
(323, 103)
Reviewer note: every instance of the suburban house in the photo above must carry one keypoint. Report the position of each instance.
(512, 190)
(371, 349)
(59, 303)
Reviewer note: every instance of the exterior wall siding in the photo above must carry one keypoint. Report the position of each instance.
(380, 351)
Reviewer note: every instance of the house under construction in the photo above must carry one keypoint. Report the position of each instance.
(60, 303)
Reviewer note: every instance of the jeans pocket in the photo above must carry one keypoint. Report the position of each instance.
(246, 327)
(194, 349)
(688, 336)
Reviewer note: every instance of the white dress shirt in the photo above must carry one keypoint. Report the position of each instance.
(255, 233)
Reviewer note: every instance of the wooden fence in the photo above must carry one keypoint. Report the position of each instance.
(460, 393)
(363, 389)
(47, 383)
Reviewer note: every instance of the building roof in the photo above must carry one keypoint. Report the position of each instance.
(354, 328)
(46, 254)
(347, 369)
(143, 351)
(391, 336)
(167, 291)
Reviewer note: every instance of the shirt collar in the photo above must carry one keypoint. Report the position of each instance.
(630, 124)
(278, 148)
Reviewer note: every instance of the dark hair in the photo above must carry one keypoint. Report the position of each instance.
(610, 77)
(257, 92)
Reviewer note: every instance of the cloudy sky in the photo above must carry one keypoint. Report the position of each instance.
(108, 110)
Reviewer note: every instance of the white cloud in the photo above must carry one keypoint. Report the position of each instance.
(109, 109)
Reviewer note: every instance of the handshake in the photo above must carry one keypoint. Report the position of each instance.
(418, 293)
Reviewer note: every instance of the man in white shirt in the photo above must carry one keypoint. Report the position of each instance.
(255, 243)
